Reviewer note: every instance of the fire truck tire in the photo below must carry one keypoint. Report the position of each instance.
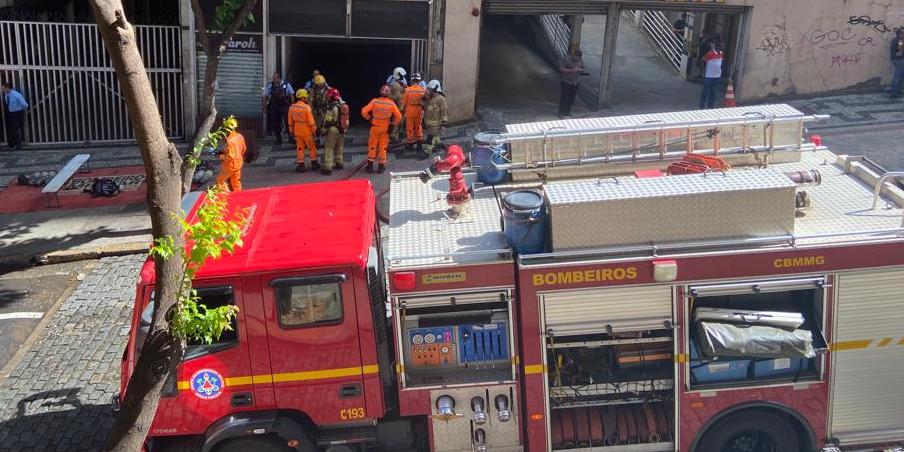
(750, 430)
(264, 443)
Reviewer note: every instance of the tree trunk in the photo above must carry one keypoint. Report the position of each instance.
(161, 353)
(207, 116)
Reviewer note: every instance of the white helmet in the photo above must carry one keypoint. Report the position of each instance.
(434, 85)
(399, 72)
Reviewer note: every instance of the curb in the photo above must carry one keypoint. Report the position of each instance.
(18, 261)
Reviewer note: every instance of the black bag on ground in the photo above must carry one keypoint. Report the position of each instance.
(104, 187)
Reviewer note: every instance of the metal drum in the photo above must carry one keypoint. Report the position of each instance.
(485, 156)
(525, 221)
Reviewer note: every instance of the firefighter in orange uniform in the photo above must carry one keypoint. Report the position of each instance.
(233, 157)
(302, 125)
(382, 114)
(414, 113)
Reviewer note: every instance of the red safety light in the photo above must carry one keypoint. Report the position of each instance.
(404, 280)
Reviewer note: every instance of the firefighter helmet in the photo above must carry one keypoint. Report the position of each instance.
(384, 90)
(230, 123)
(416, 77)
(434, 85)
(319, 80)
(333, 94)
(301, 94)
(399, 72)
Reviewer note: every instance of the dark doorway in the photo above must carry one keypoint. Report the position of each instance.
(357, 69)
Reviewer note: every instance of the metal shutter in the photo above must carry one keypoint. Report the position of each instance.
(534, 7)
(868, 387)
(624, 308)
(238, 83)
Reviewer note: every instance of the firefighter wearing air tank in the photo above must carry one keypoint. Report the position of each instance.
(335, 122)
(383, 114)
(435, 117)
(319, 100)
(233, 157)
(414, 113)
(302, 125)
(397, 86)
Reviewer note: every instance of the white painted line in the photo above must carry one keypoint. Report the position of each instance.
(21, 315)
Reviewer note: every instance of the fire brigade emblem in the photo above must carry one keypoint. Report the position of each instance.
(207, 384)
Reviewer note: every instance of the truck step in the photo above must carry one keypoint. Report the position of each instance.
(350, 435)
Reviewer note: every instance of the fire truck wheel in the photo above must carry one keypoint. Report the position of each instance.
(266, 443)
(750, 431)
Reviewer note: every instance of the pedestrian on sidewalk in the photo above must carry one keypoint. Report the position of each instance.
(233, 158)
(712, 75)
(571, 69)
(278, 94)
(302, 125)
(383, 115)
(897, 59)
(335, 120)
(15, 116)
(678, 28)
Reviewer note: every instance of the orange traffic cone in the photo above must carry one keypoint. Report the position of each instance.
(729, 95)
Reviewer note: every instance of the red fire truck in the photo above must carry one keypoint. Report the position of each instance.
(694, 281)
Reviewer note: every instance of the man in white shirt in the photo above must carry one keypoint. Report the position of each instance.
(712, 74)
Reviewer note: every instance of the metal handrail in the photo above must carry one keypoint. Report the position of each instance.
(659, 29)
(743, 120)
(881, 183)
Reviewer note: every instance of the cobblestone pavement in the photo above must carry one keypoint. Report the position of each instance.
(58, 397)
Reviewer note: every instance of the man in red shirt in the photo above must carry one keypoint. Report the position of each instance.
(712, 74)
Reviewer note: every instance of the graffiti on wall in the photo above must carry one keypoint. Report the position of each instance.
(867, 21)
(839, 61)
(774, 41)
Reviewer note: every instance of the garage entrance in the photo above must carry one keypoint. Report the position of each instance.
(635, 62)
(357, 68)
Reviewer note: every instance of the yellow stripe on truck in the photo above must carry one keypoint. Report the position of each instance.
(534, 369)
(293, 376)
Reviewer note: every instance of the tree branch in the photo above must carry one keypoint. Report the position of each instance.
(237, 22)
(201, 25)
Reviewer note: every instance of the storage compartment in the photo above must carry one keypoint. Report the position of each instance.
(464, 339)
(756, 332)
(612, 390)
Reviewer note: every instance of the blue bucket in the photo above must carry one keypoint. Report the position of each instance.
(485, 156)
(525, 221)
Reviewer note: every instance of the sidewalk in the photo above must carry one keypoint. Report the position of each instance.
(58, 396)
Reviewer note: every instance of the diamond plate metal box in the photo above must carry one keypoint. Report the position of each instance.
(608, 212)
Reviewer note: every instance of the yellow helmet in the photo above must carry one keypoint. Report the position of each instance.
(230, 123)
(301, 94)
(319, 79)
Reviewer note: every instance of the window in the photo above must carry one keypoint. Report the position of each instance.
(210, 297)
(308, 302)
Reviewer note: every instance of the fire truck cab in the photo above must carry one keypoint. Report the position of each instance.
(692, 281)
(310, 346)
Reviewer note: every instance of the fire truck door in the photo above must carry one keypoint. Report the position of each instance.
(213, 380)
(315, 357)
